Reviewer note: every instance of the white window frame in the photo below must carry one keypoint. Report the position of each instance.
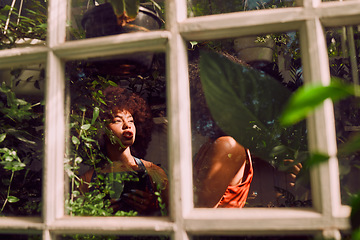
(327, 217)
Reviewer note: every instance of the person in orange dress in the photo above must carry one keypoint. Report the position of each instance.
(223, 168)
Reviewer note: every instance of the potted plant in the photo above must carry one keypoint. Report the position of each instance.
(254, 49)
(26, 82)
(116, 17)
(259, 50)
(23, 24)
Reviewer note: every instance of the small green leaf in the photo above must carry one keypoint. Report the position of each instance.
(95, 115)
(112, 83)
(315, 159)
(2, 137)
(75, 140)
(12, 199)
(78, 160)
(85, 126)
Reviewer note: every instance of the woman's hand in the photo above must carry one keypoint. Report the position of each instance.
(141, 201)
(292, 172)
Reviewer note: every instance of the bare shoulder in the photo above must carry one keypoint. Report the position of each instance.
(154, 169)
(228, 143)
(151, 165)
(157, 173)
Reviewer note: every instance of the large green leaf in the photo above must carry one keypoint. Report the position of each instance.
(246, 104)
(308, 97)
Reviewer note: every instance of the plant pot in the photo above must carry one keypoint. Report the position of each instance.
(254, 52)
(28, 83)
(101, 21)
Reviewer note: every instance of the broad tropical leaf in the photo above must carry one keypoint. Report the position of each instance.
(246, 104)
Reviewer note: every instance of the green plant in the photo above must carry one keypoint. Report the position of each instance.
(14, 25)
(85, 148)
(255, 100)
(85, 125)
(127, 10)
(20, 151)
(269, 131)
(303, 103)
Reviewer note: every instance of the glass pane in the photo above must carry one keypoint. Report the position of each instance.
(210, 7)
(280, 237)
(91, 18)
(20, 237)
(111, 237)
(117, 117)
(21, 140)
(237, 95)
(23, 23)
(343, 49)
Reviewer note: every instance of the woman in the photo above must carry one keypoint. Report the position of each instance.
(132, 181)
(222, 167)
(223, 173)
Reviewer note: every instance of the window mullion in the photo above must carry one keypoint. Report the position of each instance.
(53, 171)
(321, 126)
(179, 120)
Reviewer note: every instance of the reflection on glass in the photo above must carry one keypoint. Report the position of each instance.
(21, 140)
(210, 7)
(117, 156)
(23, 23)
(242, 156)
(343, 50)
(102, 18)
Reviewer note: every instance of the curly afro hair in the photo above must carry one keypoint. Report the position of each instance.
(119, 99)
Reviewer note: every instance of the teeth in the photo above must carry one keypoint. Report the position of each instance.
(127, 134)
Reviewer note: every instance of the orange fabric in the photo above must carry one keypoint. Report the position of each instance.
(235, 196)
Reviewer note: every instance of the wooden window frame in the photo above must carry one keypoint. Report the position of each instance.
(327, 217)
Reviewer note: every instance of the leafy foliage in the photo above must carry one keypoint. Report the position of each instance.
(20, 153)
(87, 128)
(247, 104)
(228, 87)
(30, 25)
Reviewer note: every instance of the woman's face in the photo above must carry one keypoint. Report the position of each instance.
(123, 127)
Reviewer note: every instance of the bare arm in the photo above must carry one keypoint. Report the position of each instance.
(219, 165)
